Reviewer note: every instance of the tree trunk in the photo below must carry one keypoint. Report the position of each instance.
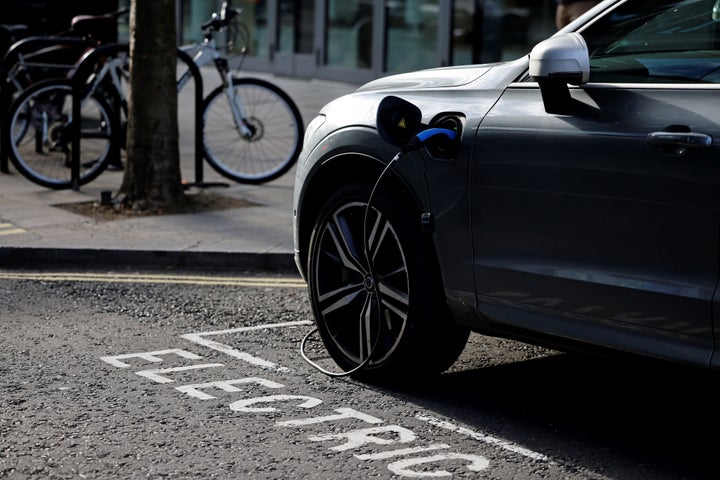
(152, 176)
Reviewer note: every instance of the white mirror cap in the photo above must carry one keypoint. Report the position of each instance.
(563, 56)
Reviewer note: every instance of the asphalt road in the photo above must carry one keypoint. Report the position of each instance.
(197, 375)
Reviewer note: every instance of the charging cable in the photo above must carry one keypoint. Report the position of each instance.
(423, 137)
(414, 143)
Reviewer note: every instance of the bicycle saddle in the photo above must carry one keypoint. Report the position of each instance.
(101, 28)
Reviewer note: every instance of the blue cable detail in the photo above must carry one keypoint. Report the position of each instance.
(431, 132)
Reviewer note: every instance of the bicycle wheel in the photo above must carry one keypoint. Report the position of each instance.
(38, 131)
(266, 145)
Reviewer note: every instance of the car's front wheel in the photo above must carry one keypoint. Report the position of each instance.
(375, 289)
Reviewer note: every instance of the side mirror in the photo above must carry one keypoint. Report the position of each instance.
(557, 62)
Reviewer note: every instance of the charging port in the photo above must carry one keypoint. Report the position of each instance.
(441, 146)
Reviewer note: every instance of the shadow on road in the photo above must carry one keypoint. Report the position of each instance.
(621, 420)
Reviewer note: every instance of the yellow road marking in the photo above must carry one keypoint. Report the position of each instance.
(156, 278)
(10, 229)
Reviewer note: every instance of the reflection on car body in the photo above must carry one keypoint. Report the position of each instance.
(581, 205)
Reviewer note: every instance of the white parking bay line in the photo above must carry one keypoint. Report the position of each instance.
(199, 339)
(482, 437)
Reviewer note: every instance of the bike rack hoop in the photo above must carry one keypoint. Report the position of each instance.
(79, 79)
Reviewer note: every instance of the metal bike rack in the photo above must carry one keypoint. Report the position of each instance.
(24, 46)
(79, 79)
(197, 77)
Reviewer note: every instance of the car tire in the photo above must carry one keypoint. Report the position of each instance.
(413, 335)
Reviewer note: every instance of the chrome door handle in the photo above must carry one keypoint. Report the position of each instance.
(680, 140)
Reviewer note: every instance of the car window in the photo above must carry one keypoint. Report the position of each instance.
(655, 41)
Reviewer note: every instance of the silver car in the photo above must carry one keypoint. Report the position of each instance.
(569, 198)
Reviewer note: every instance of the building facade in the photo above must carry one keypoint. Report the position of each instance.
(359, 40)
(345, 40)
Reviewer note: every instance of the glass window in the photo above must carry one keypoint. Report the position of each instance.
(656, 42)
(349, 33)
(465, 32)
(411, 35)
(250, 31)
(124, 22)
(296, 26)
(485, 31)
(247, 34)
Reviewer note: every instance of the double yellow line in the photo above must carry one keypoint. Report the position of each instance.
(10, 229)
(279, 282)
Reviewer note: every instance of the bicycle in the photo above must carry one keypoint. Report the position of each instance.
(251, 133)
(37, 132)
(30, 59)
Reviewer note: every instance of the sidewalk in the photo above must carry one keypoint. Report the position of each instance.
(35, 232)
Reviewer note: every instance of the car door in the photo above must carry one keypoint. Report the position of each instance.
(602, 223)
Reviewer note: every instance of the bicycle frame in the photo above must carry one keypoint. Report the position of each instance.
(204, 54)
(207, 52)
(111, 67)
(22, 66)
(58, 52)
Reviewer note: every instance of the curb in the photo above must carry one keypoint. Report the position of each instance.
(70, 257)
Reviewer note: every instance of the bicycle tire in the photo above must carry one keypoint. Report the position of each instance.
(276, 141)
(39, 146)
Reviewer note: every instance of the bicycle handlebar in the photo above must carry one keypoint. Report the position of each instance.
(218, 22)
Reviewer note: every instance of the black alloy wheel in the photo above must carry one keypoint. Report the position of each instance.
(377, 302)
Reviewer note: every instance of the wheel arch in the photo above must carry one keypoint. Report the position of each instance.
(343, 168)
(348, 177)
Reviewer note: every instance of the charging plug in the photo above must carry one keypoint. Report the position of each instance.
(442, 147)
(426, 135)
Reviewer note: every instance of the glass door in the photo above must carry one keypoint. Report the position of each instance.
(194, 13)
(349, 36)
(497, 30)
(294, 49)
(254, 33)
(252, 39)
(412, 35)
